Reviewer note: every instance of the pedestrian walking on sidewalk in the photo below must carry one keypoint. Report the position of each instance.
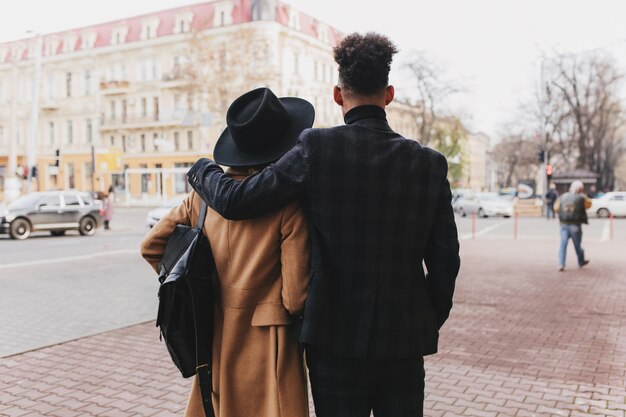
(378, 205)
(551, 197)
(107, 209)
(263, 269)
(572, 208)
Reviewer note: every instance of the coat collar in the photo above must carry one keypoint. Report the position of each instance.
(367, 115)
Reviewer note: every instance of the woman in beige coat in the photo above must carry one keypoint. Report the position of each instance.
(263, 268)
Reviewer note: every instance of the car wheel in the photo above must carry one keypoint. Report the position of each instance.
(87, 226)
(20, 229)
(57, 232)
(481, 213)
(603, 212)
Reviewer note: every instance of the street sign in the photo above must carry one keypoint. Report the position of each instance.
(109, 160)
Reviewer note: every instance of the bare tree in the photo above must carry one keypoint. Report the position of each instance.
(582, 113)
(431, 90)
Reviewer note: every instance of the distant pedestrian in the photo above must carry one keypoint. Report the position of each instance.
(551, 197)
(572, 208)
(107, 210)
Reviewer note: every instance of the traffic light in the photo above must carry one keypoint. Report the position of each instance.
(57, 157)
(33, 171)
(541, 156)
(549, 171)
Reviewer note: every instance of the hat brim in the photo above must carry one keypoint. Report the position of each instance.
(301, 116)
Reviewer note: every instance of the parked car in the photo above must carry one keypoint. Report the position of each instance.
(155, 215)
(484, 205)
(613, 202)
(53, 211)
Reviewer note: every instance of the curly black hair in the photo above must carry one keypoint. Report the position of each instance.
(364, 62)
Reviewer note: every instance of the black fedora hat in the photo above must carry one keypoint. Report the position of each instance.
(261, 128)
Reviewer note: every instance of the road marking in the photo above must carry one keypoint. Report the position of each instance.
(73, 258)
(606, 231)
(483, 231)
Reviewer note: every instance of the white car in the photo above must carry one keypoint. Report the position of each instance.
(484, 205)
(155, 215)
(610, 203)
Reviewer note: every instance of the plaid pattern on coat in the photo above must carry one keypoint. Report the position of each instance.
(379, 207)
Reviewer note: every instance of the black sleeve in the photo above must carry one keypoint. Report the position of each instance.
(270, 189)
(442, 253)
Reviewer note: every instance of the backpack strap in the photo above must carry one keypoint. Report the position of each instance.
(202, 215)
(203, 365)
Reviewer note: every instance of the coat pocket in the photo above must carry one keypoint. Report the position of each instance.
(270, 315)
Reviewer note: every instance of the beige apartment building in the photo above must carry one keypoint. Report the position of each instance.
(136, 101)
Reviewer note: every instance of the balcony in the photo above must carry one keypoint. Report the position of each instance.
(114, 87)
(49, 105)
(179, 76)
(170, 118)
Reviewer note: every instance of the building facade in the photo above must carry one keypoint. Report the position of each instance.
(133, 103)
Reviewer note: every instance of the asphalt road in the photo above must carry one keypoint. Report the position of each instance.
(55, 289)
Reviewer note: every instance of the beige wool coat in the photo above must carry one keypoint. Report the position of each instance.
(263, 267)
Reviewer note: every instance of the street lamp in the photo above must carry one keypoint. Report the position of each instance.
(31, 148)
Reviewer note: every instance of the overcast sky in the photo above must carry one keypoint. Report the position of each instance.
(490, 47)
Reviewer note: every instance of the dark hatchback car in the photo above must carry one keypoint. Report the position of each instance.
(53, 211)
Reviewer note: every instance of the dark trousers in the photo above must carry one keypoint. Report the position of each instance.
(348, 387)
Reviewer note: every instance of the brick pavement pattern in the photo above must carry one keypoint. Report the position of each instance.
(523, 340)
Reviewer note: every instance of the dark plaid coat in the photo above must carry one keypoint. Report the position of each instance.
(379, 207)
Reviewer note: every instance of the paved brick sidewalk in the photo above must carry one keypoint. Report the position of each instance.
(523, 340)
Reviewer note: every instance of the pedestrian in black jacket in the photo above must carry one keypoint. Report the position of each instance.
(378, 206)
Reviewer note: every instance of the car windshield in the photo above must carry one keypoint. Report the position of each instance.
(26, 201)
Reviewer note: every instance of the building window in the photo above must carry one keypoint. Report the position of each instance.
(88, 39)
(51, 133)
(183, 23)
(124, 143)
(89, 131)
(144, 107)
(87, 82)
(124, 110)
(149, 28)
(143, 142)
(294, 18)
(118, 35)
(112, 140)
(68, 84)
(155, 69)
(189, 101)
(296, 63)
(156, 108)
(223, 13)
(177, 141)
(113, 110)
(189, 140)
(177, 102)
(70, 132)
(155, 141)
(69, 43)
(70, 176)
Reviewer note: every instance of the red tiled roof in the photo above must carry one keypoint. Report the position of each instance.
(202, 19)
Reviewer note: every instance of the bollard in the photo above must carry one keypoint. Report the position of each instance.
(515, 226)
(611, 225)
(473, 226)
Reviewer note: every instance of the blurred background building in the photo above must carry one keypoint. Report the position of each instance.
(133, 103)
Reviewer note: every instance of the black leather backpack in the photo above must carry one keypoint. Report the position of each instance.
(187, 275)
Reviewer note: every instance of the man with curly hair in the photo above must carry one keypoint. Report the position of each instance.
(379, 207)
